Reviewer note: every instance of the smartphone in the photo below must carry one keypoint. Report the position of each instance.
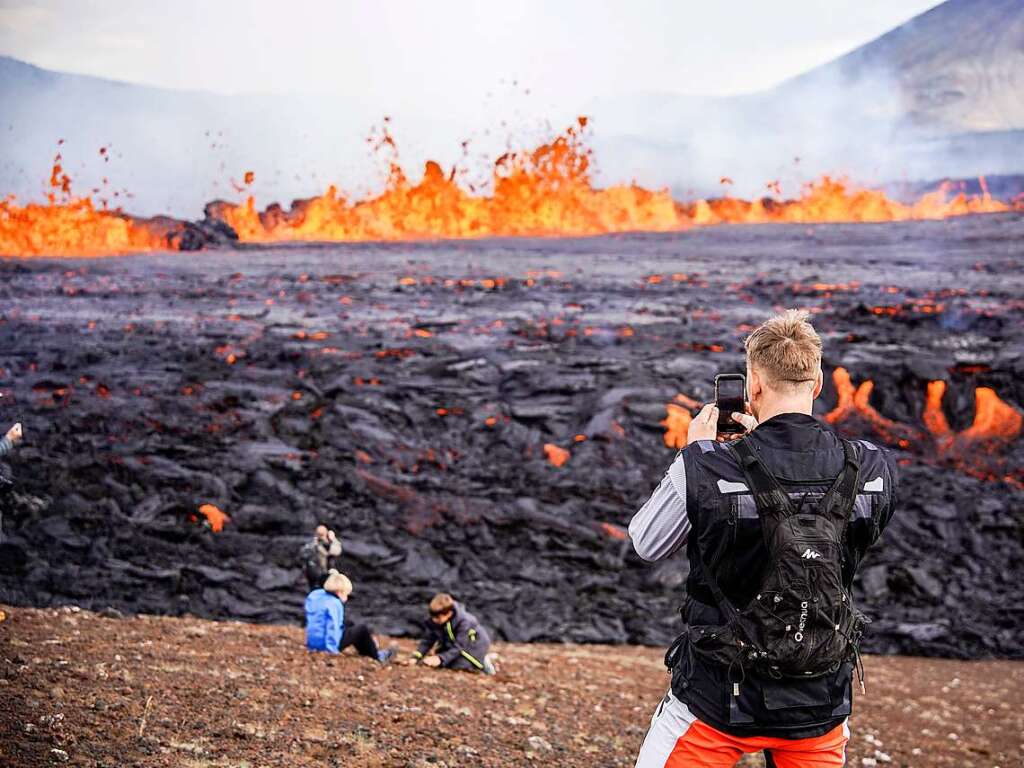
(730, 396)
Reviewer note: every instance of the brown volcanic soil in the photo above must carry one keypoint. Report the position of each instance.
(160, 691)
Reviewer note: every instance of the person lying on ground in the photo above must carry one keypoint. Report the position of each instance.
(12, 438)
(462, 641)
(328, 630)
(319, 556)
(774, 524)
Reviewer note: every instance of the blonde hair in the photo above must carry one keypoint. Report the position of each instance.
(338, 582)
(441, 602)
(786, 349)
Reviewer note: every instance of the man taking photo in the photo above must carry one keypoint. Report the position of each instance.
(320, 556)
(13, 436)
(10, 439)
(775, 524)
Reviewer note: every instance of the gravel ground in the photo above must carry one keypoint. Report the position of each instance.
(88, 690)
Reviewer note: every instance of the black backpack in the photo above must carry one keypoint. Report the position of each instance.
(801, 623)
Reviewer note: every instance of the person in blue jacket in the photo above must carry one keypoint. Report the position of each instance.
(328, 630)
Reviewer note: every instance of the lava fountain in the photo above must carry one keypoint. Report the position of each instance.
(544, 192)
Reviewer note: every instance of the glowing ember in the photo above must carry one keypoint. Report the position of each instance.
(557, 456)
(614, 531)
(214, 517)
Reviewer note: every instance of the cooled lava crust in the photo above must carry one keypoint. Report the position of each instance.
(485, 417)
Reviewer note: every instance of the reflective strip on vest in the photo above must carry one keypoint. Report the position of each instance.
(746, 507)
(472, 659)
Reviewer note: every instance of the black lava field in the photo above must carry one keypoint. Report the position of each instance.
(419, 398)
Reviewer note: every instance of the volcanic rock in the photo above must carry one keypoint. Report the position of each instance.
(161, 383)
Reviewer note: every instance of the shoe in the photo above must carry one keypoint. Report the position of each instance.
(385, 657)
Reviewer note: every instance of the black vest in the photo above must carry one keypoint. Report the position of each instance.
(805, 456)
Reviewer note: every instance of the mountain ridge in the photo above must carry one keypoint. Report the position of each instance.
(959, 87)
(938, 96)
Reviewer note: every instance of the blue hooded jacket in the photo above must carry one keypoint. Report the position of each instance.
(325, 621)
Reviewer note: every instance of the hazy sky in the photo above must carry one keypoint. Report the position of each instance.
(423, 56)
(500, 75)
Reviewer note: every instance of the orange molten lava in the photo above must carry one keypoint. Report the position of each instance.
(973, 450)
(994, 420)
(557, 456)
(855, 400)
(933, 417)
(70, 226)
(73, 228)
(677, 421)
(214, 517)
(834, 200)
(547, 191)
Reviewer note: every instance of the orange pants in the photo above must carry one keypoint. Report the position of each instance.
(677, 739)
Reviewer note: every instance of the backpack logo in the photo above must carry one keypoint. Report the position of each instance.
(810, 554)
(799, 634)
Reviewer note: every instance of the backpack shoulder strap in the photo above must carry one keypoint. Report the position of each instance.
(768, 494)
(842, 495)
(729, 611)
(724, 604)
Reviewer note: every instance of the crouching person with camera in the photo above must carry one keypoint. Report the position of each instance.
(775, 524)
(10, 439)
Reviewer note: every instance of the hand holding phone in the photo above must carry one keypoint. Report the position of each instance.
(730, 397)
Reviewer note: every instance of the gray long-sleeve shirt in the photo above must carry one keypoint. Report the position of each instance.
(661, 526)
(6, 444)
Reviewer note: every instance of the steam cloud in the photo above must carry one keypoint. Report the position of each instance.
(824, 122)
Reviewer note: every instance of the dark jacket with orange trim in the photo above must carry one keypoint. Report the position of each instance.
(462, 642)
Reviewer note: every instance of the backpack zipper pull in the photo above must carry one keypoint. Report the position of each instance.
(859, 666)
